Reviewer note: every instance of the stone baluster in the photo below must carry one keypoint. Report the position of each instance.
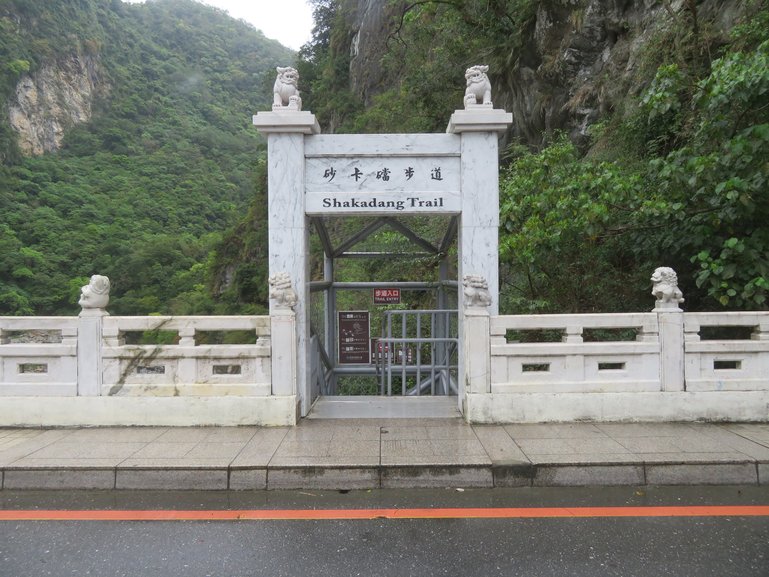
(670, 319)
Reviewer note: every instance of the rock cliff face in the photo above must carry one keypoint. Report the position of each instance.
(53, 98)
(580, 58)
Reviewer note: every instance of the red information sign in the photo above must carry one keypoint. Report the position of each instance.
(354, 335)
(387, 296)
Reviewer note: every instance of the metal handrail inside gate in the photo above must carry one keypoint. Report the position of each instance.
(423, 358)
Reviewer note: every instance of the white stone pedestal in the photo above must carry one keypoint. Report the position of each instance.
(89, 357)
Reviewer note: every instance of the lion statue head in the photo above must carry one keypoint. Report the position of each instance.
(665, 288)
(286, 91)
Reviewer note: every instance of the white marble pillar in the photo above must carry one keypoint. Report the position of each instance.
(479, 182)
(89, 357)
(478, 235)
(288, 226)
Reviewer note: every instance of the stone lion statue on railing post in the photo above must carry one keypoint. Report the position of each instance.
(665, 289)
(478, 91)
(286, 90)
(282, 292)
(95, 295)
(476, 291)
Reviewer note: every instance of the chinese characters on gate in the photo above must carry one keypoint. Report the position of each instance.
(374, 185)
(384, 174)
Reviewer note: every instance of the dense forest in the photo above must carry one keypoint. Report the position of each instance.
(145, 189)
(668, 166)
(657, 155)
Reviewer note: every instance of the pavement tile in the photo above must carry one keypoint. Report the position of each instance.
(90, 450)
(649, 444)
(686, 458)
(294, 448)
(498, 445)
(168, 451)
(309, 433)
(260, 449)
(644, 429)
(554, 431)
(544, 446)
(53, 463)
(401, 433)
(738, 442)
(12, 437)
(183, 463)
(32, 444)
(458, 448)
(583, 458)
(700, 444)
(360, 433)
(230, 434)
(330, 461)
(215, 450)
(184, 435)
(596, 445)
(116, 435)
(755, 433)
(406, 447)
(354, 447)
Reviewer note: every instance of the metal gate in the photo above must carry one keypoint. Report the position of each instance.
(417, 353)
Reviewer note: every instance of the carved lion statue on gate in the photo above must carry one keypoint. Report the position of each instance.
(476, 291)
(286, 92)
(282, 291)
(478, 89)
(665, 288)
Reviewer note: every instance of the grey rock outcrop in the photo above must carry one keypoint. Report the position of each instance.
(58, 95)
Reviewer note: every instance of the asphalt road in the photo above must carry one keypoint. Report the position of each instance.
(676, 544)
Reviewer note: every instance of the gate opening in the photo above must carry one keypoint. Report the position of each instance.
(383, 306)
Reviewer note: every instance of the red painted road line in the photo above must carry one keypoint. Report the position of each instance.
(351, 514)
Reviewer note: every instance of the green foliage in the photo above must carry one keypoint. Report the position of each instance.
(565, 227)
(698, 203)
(145, 191)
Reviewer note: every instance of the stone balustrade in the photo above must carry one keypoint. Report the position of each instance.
(659, 366)
(38, 356)
(662, 365)
(627, 359)
(187, 367)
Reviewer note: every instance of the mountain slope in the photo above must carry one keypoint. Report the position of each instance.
(127, 149)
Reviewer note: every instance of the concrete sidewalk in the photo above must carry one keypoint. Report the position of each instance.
(385, 453)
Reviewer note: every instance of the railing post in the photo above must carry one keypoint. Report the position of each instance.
(475, 335)
(670, 319)
(284, 346)
(477, 351)
(284, 335)
(89, 352)
(187, 368)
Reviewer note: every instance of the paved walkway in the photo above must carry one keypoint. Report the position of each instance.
(386, 453)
